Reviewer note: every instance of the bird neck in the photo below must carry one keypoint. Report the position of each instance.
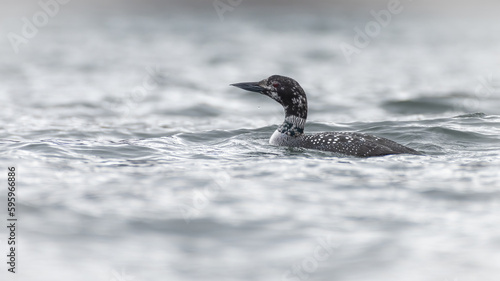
(292, 126)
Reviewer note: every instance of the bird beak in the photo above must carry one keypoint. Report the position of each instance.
(249, 86)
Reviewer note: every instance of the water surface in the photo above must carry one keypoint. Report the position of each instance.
(137, 161)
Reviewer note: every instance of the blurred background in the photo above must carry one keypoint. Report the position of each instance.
(137, 161)
(425, 6)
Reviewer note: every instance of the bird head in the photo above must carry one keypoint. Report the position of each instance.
(284, 90)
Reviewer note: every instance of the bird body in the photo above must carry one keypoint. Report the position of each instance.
(292, 97)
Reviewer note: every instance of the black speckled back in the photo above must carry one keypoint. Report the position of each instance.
(354, 144)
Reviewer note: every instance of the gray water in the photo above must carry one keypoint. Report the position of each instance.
(137, 161)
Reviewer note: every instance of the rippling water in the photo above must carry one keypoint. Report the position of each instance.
(137, 161)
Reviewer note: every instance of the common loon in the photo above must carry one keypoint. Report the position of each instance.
(292, 97)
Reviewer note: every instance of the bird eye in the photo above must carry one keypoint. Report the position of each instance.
(276, 84)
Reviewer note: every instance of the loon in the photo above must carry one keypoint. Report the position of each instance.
(292, 97)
